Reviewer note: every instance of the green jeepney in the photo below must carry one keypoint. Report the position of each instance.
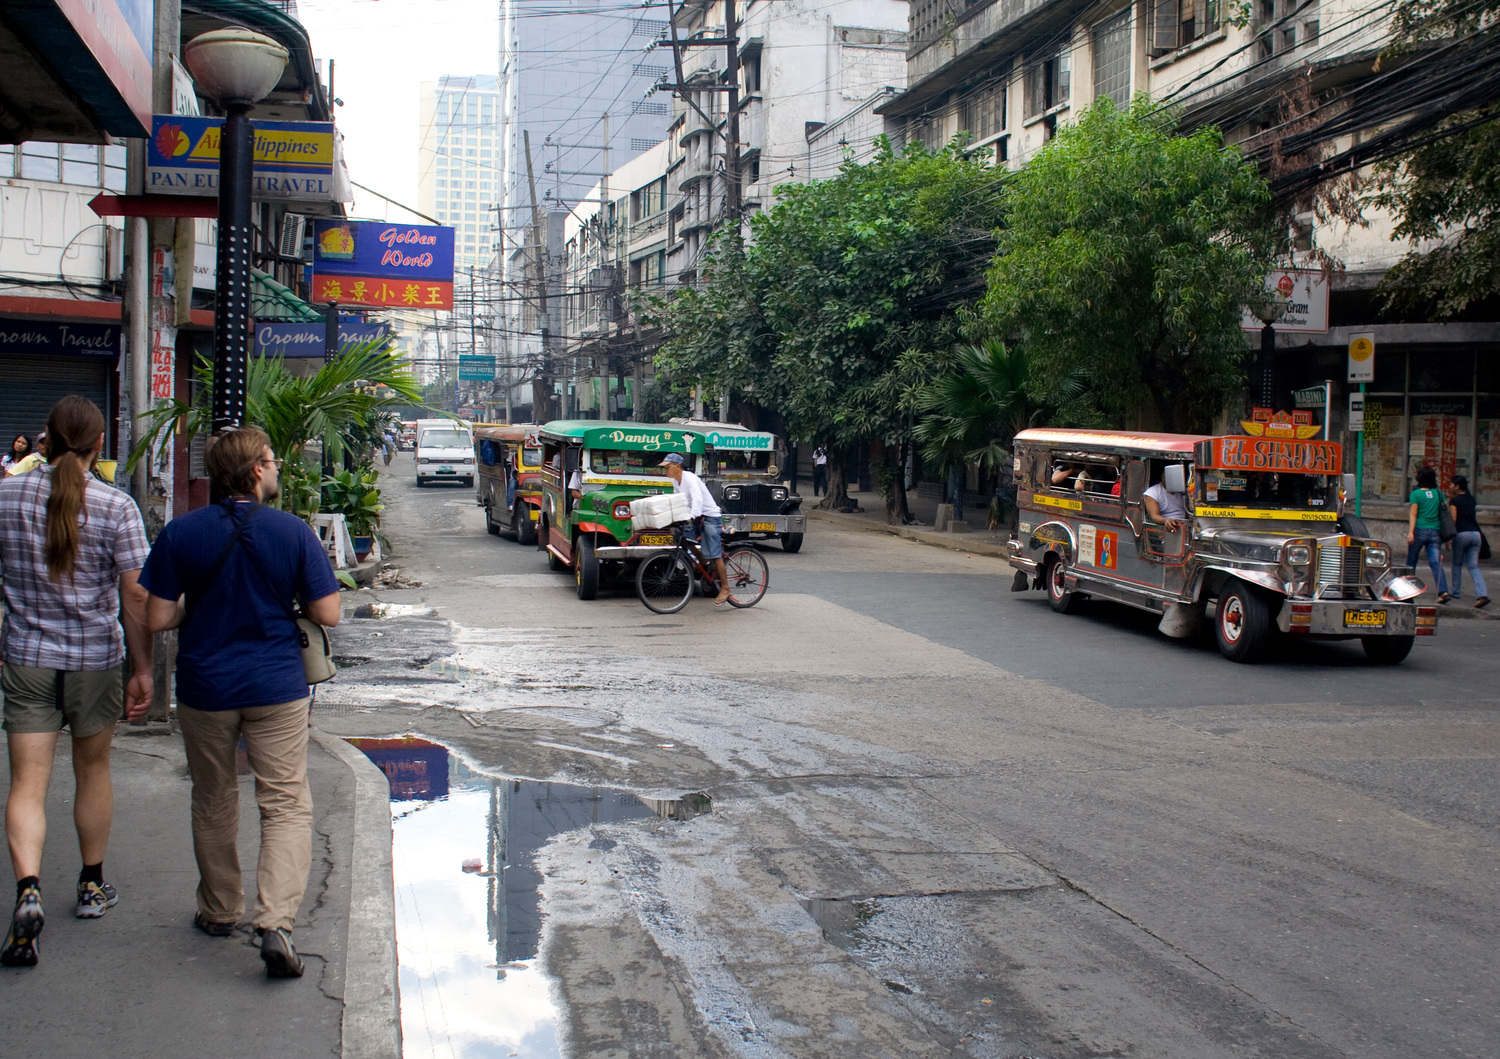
(615, 463)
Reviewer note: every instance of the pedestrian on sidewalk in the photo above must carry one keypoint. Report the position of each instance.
(820, 471)
(227, 574)
(1422, 534)
(72, 550)
(1466, 542)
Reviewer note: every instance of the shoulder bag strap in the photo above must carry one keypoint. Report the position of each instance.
(291, 611)
(192, 601)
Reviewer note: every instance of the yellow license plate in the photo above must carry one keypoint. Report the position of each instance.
(656, 538)
(1364, 619)
(762, 527)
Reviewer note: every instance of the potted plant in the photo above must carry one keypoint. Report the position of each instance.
(355, 495)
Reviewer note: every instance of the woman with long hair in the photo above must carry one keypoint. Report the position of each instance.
(1422, 534)
(1466, 542)
(72, 549)
(20, 448)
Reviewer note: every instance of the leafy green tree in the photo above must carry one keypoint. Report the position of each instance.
(1126, 254)
(1449, 189)
(838, 279)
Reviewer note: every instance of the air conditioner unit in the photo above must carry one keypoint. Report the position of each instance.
(293, 234)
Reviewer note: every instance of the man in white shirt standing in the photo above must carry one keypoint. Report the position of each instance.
(701, 505)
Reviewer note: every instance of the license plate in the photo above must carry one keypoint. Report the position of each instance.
(762, 527)
(659, 539)
(1364, 619)
(445, 470)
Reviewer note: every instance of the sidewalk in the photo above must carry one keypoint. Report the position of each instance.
(982, 541)
(143, 982)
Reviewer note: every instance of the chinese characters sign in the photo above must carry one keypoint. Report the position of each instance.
(294, 160)
(374, 263)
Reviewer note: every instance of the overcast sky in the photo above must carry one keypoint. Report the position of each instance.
(382, 51)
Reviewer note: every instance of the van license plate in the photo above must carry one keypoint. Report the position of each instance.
(762, 527)
(657, 539)
(1364, 619)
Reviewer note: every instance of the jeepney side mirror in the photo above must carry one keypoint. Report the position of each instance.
(1133, 519)
(1174, 478)
(1349, 485)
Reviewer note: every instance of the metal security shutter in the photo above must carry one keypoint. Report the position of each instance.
(30, 386)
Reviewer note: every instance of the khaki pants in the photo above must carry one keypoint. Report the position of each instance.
(276, 738)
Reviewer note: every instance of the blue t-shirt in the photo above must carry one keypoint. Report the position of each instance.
(239, 648)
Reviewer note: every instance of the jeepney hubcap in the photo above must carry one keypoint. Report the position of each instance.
(1059, 583)
(1232, 619)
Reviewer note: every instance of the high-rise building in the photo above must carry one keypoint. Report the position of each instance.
(458, 162)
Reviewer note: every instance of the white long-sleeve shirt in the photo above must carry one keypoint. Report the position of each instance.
(700, 500)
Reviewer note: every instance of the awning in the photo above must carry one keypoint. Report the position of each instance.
(273, 300)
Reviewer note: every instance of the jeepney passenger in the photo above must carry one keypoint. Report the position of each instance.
(1066, 471)
(1169, 509)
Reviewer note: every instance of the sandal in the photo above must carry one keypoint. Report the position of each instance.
(1481, 602)
(1443, 597)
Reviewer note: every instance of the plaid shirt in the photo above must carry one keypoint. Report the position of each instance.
(72, 625)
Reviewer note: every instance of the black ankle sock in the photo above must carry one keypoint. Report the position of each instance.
(21, 884)
(93, 873)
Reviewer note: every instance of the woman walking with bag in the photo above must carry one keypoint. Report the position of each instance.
(1423, 532)
(1466, 542)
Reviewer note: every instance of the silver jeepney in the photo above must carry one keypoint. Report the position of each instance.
(1266, 541)
(743, 469)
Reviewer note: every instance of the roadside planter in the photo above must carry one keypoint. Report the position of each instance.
(617, 463)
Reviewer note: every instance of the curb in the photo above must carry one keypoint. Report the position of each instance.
(953, 542)
(372, 996)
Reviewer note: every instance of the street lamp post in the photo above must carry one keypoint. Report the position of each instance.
(1267, 311)
(236, 68)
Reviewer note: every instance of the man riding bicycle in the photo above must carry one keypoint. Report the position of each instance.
(703, 511)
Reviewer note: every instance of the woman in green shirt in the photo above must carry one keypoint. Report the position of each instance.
(1427, 501)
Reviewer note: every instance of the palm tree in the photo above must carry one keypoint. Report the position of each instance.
(339, 405)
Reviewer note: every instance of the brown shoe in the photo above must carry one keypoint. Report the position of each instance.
(277, 953)
(1481, 602)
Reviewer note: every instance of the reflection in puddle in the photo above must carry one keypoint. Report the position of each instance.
(468, 901)
(843, 922)
(392, 610)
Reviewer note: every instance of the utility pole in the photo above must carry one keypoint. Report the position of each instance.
(732, 139)
(541, 397)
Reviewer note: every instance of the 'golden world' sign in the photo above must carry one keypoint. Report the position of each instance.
(1274, 454)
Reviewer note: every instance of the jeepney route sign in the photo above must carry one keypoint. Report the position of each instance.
(1267, 454)
(755, 442)
(647, 442)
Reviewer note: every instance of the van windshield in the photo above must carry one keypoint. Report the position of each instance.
(632, 462)
(1282, 490)
(444, 438)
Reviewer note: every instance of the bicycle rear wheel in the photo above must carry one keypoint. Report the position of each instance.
(664, 582)
(748, 576)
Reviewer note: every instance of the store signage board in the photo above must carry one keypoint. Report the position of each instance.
(473, 368)
(1306, 294)
(378, 264)
(310, 339)
(46, 339)
(105, 47)
(294, 160)
(1356, 412)
(1362, 356)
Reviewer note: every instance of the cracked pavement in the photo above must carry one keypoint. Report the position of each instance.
(946, 821)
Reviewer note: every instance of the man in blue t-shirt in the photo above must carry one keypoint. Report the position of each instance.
(227, 575)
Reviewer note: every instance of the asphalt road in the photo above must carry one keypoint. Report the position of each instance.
(947, 821)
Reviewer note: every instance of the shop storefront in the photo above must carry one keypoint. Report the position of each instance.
(43, 360)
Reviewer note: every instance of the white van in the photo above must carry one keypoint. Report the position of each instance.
(445, 451)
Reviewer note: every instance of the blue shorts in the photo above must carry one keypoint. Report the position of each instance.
(712, 540)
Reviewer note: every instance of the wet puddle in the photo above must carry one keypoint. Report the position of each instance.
(842, 921)
(468, 895)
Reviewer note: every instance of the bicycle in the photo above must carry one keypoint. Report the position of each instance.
(664, 581)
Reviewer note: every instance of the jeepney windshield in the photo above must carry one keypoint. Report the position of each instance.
(1275, 490)
(531, 456)
(631, 463)
(739, 461)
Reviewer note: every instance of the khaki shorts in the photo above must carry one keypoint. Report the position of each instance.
(44, 700)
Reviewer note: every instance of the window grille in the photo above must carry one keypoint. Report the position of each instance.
(1112, 58)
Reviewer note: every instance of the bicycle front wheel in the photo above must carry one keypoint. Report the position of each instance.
(748, 576)
(664, 582)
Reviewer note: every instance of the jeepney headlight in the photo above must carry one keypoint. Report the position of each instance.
(732, 493)
(1378, 555)
(1298, 554)
(622, 509)
(778, 494)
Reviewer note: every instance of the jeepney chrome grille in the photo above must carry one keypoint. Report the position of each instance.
(1340, 568)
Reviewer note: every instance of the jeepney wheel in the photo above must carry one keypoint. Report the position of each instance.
(1242, 624)
(525, 528)
(1063, 601)
(1387, 650)
(586, 568)
(791, 543)
(490, 525)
